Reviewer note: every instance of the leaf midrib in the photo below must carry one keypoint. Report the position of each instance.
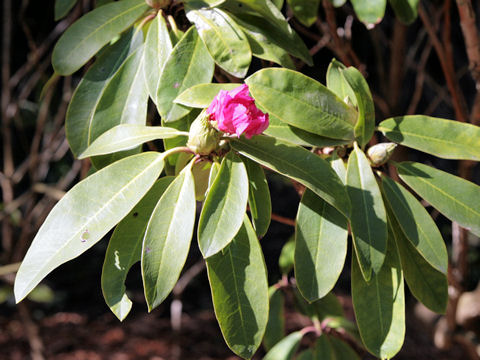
(80, 43)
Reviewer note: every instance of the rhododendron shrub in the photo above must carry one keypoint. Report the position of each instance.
(218, 142)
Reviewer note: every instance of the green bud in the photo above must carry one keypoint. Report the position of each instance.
(380, 153)
(203, 138)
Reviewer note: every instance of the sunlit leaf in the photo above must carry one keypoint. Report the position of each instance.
(440, 137)
(296, 99)
(91, 32)
(167, 238)
(225, 206)
(125, 249)
(85, 214)
(369, 220)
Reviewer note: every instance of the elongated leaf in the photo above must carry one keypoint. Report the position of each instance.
(416, 224)
(369, 225)
(370, 12)
(323, 349)
(201, 174)
(224, 39)
(200, 4)
(447, 139)
(380, 306)
(188, 64)
(201, 95)
(337, 83)
(84, 104)
(238, 279)
(258, 197)
(406, 10)
(158, 47)
(91, 32)
(63, 7)
(366, 110)
(167, 238)
(125, 249)
(224, 208)
(275, 330)
(285, 349)
(302, 102)
(264, 48)
(305, 11)
(124, 101)
(320, 246)
(299, 164)
(338, 3)
(454, 197)
(85, 214)
(127, 136)
(278, 4)
(294, 135)
(267, 20)
(427, 284)
(286, 260)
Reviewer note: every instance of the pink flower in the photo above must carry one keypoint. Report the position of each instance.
(235, 113)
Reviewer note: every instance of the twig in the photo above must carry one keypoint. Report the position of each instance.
(283, 220)
(36, 344)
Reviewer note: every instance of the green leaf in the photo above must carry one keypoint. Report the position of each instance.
(278, 3)
(338, 165)
(264, 48)
(80, 120)
(275, 330)
(286, 260)
(201, 95)
(199, 4)
(127, 136)
(167, 238)
(416, 224)
(320, 246)
(124, 101)
(267, 20)
(238, 279)
(63, 7)
(427, 284)
(337, 83)
(296, 99)
(258, 197)
(323, 349)
(342, 350)
(299, 164)
(369, 223)
(369, 12)
(224, 208)
(327, 307)
(158, 47)
(406, 10)
(224, 40)
(188, 64)
(283, 131)
(380, 306)
(201, 173)
(305, 11)
(365, 125)
(447, 139)
(85, 214)
(92, 31)
(453, 196)
(125, 249)
(285, 349)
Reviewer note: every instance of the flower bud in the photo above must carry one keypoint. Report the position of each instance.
(380, 153)
(203, 138)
